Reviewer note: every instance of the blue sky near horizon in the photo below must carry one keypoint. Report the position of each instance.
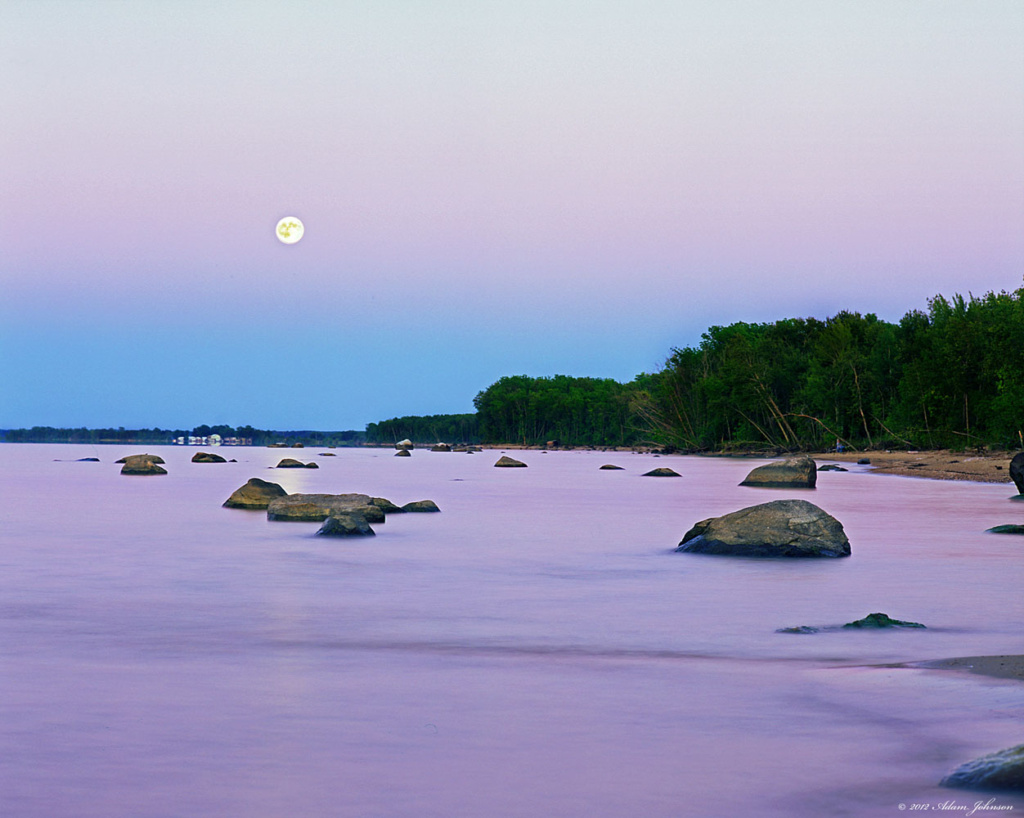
(487, 188)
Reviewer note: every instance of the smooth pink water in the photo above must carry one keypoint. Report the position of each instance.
(535, 649)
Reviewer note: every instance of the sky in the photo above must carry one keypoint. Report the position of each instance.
(487, 188)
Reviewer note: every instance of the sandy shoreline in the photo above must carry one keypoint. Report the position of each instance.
(942, 464)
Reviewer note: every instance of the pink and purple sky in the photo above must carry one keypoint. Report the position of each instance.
(488, 189)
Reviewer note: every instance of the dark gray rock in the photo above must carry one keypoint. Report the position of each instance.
(798, 629)
(255, 494)
(831, 467)
(1006, 529)
(782, 528)
(505, 462)
(662, 472)
(88, 460)
(207, 457)
(346, 525)
(792, 473)
(881, 620)
(1017, 471)
(1003, 770)
(610, 467)
(440, 447)
(403, 453)
(421, 505)
(318, 507)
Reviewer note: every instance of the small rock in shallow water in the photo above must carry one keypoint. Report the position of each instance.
(1003, 770)
(1006, 529)
(662, 472)
(346, 525)
(610, 467)
(792, 473)
(256, 494)
(797, 629)
(509, 463)
(881, 620)
(421, 505)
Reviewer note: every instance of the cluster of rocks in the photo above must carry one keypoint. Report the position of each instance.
(873, 621)
(341, 514)
(291, 463)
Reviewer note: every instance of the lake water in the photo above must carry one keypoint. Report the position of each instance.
(536, 649)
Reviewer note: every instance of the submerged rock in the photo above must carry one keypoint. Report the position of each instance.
(1003, 770)
(881, 620)
(662, 472)
(1006, 529)
(782, 528)
(142, 464)
(509, 463)
(831, 467)
(792, 473)
(290, 463)
(207, 457)
(421, 505)
(440, 447)
(798, 629)
(255, 494)
(314, 508)
(610, 467)
(403, 453)
(346, 525)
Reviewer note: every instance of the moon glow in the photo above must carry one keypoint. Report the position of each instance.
(290, 230)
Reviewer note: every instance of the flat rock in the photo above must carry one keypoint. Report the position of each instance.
(610, 467)
(505, 462)
(255, 494)
(346, 525)
(782, 528)
(831, 467)
(1006, 529)
(1003, 770)
(881, 620)
(155, 458)
(314, 508)
(792, 473)
(421, 505)
(662, 472)
(207, 457)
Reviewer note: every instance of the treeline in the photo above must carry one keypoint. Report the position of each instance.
(571, 411)
(949, 377)
(463, 428)
(259, 437)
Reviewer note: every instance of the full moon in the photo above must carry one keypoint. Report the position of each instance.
(290, 230)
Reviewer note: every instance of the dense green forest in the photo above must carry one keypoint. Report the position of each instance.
(949, 377)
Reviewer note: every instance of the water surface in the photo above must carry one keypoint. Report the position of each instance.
(535, 649)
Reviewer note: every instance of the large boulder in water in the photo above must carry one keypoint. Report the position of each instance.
(314, 508)
(782, 528)
(142, 464)
(1003, 770)
(505, 462)
(207, 457)
(1017, 471)
(255, 494)
(421, 505)
(792, 473)
(346, 525)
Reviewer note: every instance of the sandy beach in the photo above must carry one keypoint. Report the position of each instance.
(941, 464)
